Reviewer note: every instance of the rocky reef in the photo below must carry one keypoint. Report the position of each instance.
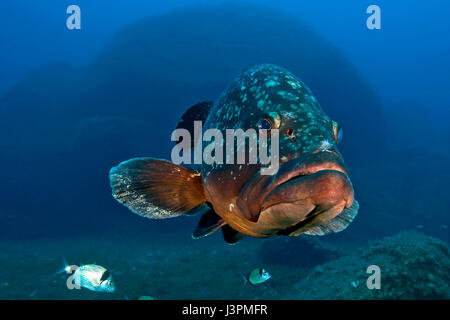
(412, 266)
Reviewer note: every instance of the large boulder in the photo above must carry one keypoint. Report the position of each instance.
(411, 264)
(160, 65)
(63, 128)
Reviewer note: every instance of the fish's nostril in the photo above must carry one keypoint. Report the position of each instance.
(290, 134)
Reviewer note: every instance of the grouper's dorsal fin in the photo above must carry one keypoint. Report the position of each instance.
(209, 223)
(338, 223)
(198, 112)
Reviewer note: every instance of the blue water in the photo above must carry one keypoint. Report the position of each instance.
(74, 103)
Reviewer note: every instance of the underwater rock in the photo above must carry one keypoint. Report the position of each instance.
(412, 265)
(154, 56)
(153, 70)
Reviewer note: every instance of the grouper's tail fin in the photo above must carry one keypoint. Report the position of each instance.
(156, 189)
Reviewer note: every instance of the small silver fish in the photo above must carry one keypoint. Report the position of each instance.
(258, 275)
(94, 277)
(91, 276)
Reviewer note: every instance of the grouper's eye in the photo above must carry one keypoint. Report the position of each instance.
(271, 121)
(265, 124)
(338, 133)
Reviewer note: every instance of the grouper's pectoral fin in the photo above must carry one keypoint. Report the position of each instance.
(203, 208)
(209, 223)
(155, 188)
(338, 223)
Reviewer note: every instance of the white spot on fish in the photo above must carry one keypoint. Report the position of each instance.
(294, 84)
(290, 114)
(271, 83)
(325, 145)
(231, 207)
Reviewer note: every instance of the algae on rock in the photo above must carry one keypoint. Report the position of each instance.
(412, 264)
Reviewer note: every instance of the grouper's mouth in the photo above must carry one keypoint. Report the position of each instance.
(303, 188)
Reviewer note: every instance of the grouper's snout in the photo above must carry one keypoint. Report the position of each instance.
(307, 192)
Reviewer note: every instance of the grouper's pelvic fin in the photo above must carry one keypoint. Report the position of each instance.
(157, 189)
(230, 235)
(209, 223)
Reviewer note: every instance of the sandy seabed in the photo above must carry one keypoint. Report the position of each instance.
(413, 266)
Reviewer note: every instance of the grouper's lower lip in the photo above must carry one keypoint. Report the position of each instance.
(295, 180)
(305, 201)
(321, 187)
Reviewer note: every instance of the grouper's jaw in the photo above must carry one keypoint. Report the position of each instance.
(307, 191)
